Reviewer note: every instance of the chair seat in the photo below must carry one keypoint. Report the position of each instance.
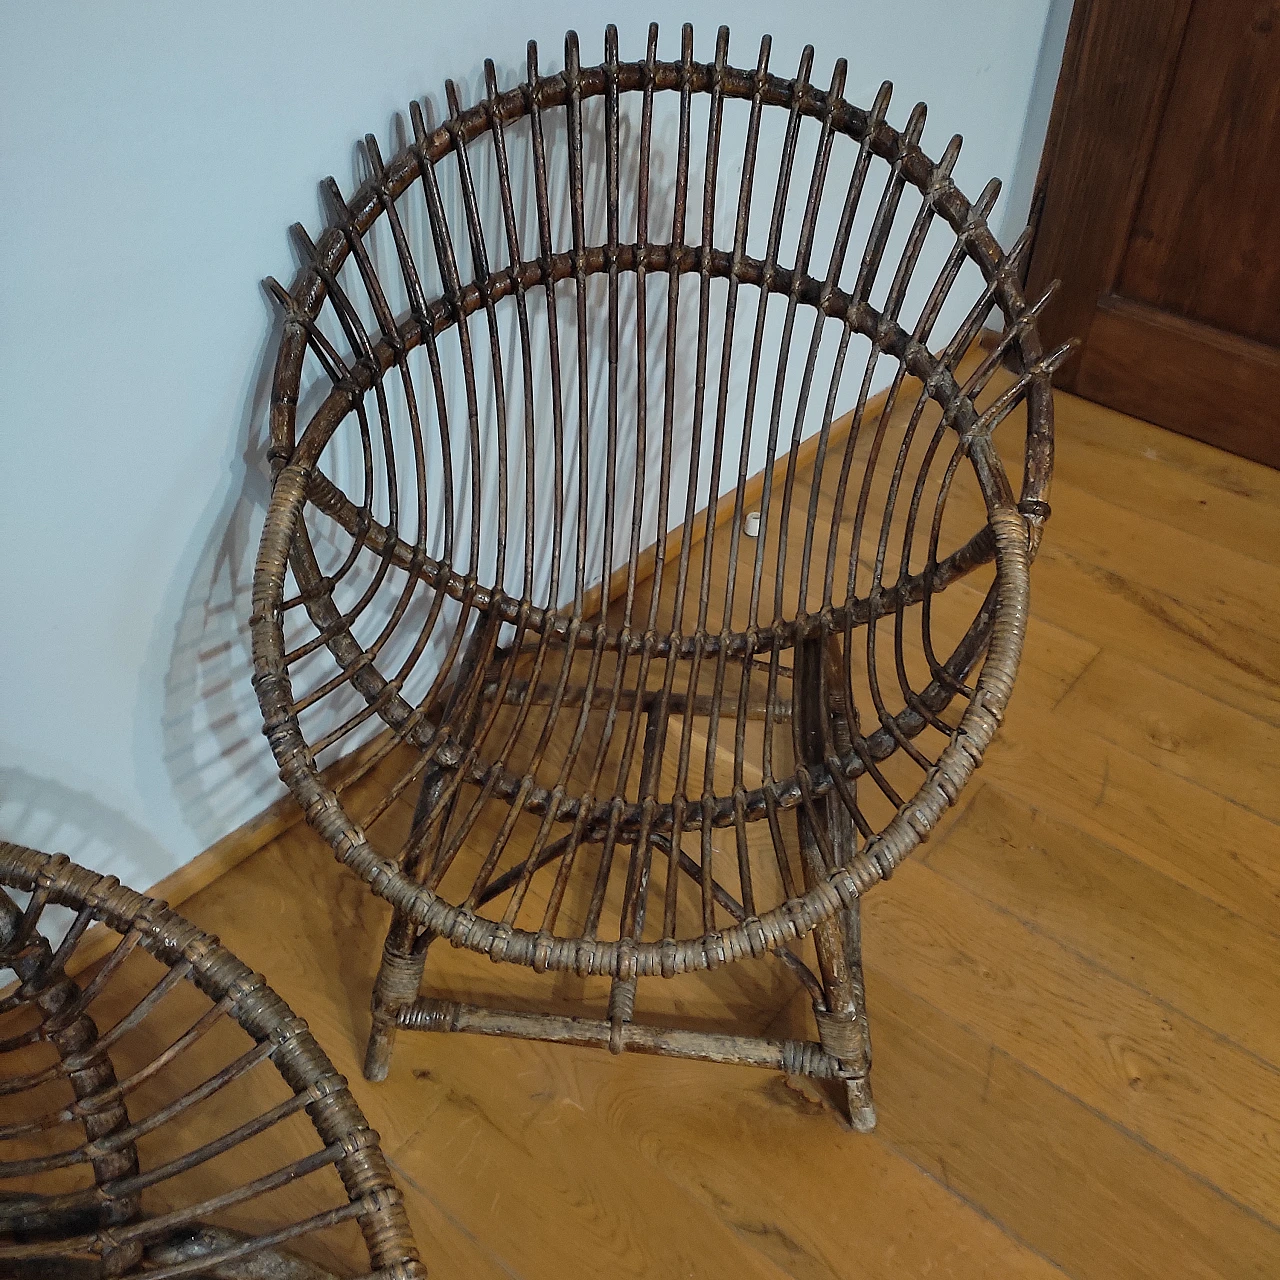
(650, 799)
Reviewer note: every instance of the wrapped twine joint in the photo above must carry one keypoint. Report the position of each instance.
(843, 1036)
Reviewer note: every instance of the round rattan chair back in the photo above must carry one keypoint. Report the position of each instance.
(630, 452)
(164, 1113)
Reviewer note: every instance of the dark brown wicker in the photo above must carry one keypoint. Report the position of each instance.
(523, 375)
(167, 1114)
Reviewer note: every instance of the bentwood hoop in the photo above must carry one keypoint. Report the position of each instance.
(525, 379)
(155, 1112)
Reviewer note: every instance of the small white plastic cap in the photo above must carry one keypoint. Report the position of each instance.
(751, 525)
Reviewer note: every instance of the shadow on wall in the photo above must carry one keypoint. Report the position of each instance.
(219, 766)
(220, 769)
(56, 818)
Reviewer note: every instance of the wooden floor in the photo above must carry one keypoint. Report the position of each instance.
(1073, 992)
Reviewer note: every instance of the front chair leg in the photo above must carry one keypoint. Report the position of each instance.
(404, 956)
(842, 1017)
(842, 1026)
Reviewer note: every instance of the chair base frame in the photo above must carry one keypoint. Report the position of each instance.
(842, 1050)
(791, 1057)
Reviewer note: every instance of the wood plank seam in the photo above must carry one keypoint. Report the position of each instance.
(928, 859)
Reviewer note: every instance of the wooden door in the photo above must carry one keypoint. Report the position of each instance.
(1159, 209)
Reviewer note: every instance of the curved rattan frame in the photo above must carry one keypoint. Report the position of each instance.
(52, 1230)
(1009, 538)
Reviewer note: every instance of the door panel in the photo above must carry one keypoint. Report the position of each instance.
(1159, 209)
(1206, 239)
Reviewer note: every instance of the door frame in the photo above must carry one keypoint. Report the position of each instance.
(1086, 196)
(1118, 69)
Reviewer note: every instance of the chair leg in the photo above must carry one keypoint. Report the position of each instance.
(842, 1018)
(404, 953)
(404, 956)
(842, 1026)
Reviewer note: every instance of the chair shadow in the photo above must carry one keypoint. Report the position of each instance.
(220, 770)
(43, 813)
(54, 817)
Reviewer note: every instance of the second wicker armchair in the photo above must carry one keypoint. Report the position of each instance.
(163, 1112)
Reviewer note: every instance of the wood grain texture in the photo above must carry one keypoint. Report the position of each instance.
(1115, 75)
(1156, 206)
(1173, 1082)
(1072, 1021)
(1186, 732)
(1163, 938)
(1188, 833)
(1216, 496)
(1200, 615)
(1075, 1187)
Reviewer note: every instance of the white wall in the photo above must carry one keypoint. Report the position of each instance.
(1021, 179)
(153, 155)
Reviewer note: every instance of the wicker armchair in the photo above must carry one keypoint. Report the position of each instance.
(165, 1113)
(570, 549)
